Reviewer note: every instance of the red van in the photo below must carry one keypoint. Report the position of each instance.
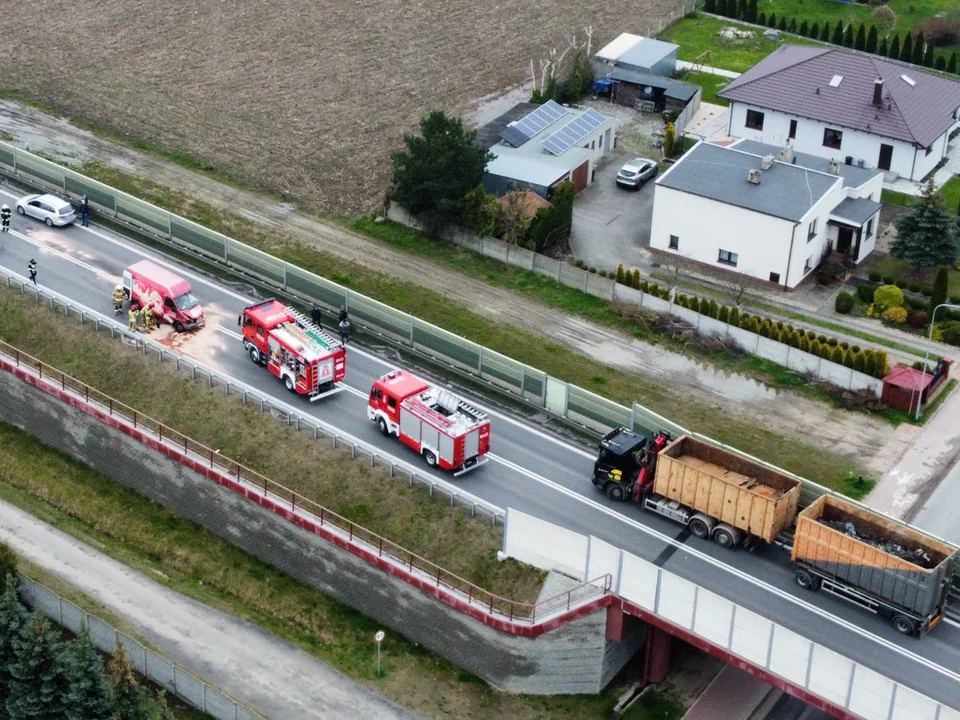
(169, 295)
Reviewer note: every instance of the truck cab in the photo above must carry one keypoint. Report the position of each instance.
(626, 461)
(169, 296)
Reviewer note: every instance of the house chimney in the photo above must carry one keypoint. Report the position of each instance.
(786, 154)
(878, 92)
(753, 175)
(833, 167)
(767, 162)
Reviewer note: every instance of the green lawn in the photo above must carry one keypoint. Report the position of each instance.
(950, 193)
(890, 266)
(711, 84)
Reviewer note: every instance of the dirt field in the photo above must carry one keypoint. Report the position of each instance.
(305, 97)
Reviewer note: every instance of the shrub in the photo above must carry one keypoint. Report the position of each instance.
(926, 290)
(883, 16)
(645, 286)
(888, 279)
(874, 276)
(621, 276)
(593, 270)
(916, 303)
(939, 31)
(694, 304)
(913, 285)
(804, 344)
(723, 314)
(917, 320)
(712, 309)
(636, 279)
(950, 331)
(848, 359)
(836, 355)
(602, 273)
(887, 296)
(764, 330)
(815, 347)
(855, 348)
(882, 368)
(8, 565)
(761, 19)
(794, 340)
(843, 303)
(780, 324)
(939, 295)
(896, 315)
(804, 28)
(772, 20)
(735, 316)
(822, 339)
(900, 283)
(782, 25)
(870, 363)
(665, 293)
(865, 292)
(832, 342)
(859, 361)
(955, 299)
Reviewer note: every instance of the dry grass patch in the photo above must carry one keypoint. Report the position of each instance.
(449, 537)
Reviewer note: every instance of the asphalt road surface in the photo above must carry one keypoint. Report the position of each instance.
(531, 470)
(260, 670)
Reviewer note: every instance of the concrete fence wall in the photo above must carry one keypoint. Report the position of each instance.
(607, 289)
(151, 665)
(758, 644)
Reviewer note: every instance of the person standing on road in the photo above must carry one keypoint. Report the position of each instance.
(345, 330)
(84, 211)
(343, 313)
(32, 269)
(147, 317)
(118, 299)
(132, 316)
(5, 217)
(316, 314)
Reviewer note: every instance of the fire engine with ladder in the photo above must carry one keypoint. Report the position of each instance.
(309, 360)
(448, 432)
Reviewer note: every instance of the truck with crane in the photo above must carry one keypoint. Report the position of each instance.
(307, 359)
(447, 431)
(835, 545)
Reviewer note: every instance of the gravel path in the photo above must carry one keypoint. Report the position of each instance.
(262, 671)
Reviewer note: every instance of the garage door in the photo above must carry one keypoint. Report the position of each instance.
(580, 177)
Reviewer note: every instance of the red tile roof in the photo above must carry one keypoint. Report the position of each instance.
(908, 378)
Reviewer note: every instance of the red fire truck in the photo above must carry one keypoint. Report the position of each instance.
(448, 432)
(306, 358)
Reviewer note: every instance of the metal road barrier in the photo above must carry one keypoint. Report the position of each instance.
(519, 380)
(152, 665)
(425, 571)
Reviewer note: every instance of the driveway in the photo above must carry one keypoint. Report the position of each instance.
(611, 224)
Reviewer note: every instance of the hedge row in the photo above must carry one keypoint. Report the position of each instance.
(868, 361)
(912, 49)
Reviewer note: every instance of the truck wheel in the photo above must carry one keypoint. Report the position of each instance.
(724, 538)
(806, 580)
(382, 424)
(698, 528)
(430, 458)
(904, 624)
(178, 326)
(288, 383)
(255, 355)
(615, 491)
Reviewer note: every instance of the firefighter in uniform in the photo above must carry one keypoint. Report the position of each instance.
(32, 269)
(132, 315)
(118, 299)
(5, 217)
(148, 317)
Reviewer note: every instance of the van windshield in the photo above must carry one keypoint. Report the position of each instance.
(185, 301)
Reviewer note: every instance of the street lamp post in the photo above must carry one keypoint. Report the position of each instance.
(923, 373)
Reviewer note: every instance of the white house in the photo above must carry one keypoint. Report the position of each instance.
(538, 147)
(771, 213)
(852, 107)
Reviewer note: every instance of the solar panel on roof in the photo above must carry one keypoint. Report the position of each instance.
(512, 135)
(540, 118)
(573, 132)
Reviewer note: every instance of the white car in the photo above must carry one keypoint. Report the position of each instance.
(49, 208)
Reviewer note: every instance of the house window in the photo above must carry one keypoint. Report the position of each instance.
(832, 138)
(754, 119)
(793, 130)
(600, 143)
(674, 242)
(775, 278)
(869, 228)
(812, 230)
(728, 258)
(808, 265)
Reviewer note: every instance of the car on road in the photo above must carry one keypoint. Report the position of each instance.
(48, 208)
(636, 172)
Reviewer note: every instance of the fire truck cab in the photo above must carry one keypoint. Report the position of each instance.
(448, 432)
(307, 359)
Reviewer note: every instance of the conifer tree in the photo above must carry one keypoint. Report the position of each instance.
(926, 234)
(848, 36)
(837, 38)
(883, 50)
(825, 33)
(88, 696)
(12, 619)
(871, 46)
(861, 41)
(38, 684)
(894, 53)
(906, 50)
(918, 47)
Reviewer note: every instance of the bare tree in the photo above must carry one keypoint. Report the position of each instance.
(513, 218)
(741, 282)
(552, 64)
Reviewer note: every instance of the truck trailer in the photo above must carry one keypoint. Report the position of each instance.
(307, 359)
(448, 432)
(858, 555)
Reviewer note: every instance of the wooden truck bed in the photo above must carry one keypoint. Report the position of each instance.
(747, 495)
(916, 582)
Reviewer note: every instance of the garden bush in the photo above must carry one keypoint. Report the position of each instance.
(694, 304)
(822, 339)
(865, 292)
(887, 296)
(836, 355)
(723, 314)
(874, 276)
(950, 331)
(914, 286)
(859, 361)
(593, 270)
(844, 303)
(927, 291)
(900, 283)
(805, 344)
(848, 359)
(833, 342)
(888, 280)
(636, 279)
(816, 347)
(735, 316)
(955, 299)
(896, 315)
(917, 320)
(621, 274)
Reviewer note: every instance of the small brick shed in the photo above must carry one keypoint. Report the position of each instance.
(903, 387)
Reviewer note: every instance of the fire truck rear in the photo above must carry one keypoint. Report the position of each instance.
(309, 360)
(450, 434)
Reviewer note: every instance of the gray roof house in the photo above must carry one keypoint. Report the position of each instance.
(853, 107)
(764, 211)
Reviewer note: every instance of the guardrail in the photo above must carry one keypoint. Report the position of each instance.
(281, 496)
(533, 386)
(152, 665)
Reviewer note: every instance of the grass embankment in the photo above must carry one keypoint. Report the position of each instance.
(193, 561)
(558, 360)
(449, 537)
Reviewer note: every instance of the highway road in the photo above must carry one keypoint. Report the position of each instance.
(531, 470)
